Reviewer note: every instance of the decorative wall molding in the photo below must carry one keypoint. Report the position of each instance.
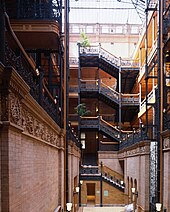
(21, 110)
(142, 148)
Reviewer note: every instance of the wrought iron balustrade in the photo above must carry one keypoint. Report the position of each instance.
(89, 85)
(150, 99)
(133, 138)
(89, 170)
(108, 92)
(89, 122)
(73, 89)
(109, 57)
(130, 99)
(104, 54)
(73, 137)
(26, 69)
(89, 50)
(73, 60)
(166, 18)
(51, 10)
(167, 120)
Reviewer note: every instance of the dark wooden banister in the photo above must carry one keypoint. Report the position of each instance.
(19, 44)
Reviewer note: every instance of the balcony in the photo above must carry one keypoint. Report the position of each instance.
(34, 78)
(29, 18)
(150, 99)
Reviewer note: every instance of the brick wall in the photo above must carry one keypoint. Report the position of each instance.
(136, 173)
(110, 194)
(32, 151)
(166, 174)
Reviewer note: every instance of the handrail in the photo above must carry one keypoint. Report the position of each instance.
(110, 92)
(108, 124)
(19, 44)
(46, 89)
(109, 88)
(88, 80)
(58, 209)
(149, 97)
(133, 95)
(101, 48)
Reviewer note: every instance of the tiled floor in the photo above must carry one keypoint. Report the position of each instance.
(103, 209)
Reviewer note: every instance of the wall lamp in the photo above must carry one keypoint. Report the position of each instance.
(134, 192)
(81, 182)
(158, 206)
(76, 190)
(69, 206)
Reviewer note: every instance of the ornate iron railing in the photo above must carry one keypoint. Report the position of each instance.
(150, 99)
(95, 171)
(89, 170)
(51, 9)
(73, 61)
(108, 92)
(100, 124)
(35, 79)
(104, 54)
(133, 138)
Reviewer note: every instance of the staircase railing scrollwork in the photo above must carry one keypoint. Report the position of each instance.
(108, 92)
(104, 54)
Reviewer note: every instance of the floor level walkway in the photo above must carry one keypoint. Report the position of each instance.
(102, 209)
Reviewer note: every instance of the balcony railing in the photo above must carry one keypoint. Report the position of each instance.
(50, 10)
(104, 54)
(35, 79)
(150, 99)
(108, 92)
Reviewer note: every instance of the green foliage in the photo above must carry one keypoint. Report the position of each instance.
(85, 41)
(81, 110)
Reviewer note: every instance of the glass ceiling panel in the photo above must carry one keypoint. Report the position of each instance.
(107, 11)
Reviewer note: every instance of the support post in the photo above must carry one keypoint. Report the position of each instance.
(2, 32)
(120, 96)
(101, 185)
(160, 103)
(66, 102)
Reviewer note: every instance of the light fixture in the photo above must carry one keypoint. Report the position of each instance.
(158, 206)
(121, 182)
(81, 182)
(134, 192)
(37, 71)
(76, 190)
(69, 206)
(97, 109)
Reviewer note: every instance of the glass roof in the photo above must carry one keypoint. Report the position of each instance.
(107, 11)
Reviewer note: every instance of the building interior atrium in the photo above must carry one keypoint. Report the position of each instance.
(84, 105)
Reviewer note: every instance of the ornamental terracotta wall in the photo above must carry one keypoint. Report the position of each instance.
(32, 150)
(136, 173)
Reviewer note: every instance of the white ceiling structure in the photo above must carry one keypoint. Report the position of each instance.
(107, 11)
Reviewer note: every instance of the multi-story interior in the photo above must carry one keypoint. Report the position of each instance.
(114, 106)
(112, 147)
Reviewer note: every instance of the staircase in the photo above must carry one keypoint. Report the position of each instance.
(89, 172)
(104, 127)
(96, 56)
(113, 183)
(96, 88)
